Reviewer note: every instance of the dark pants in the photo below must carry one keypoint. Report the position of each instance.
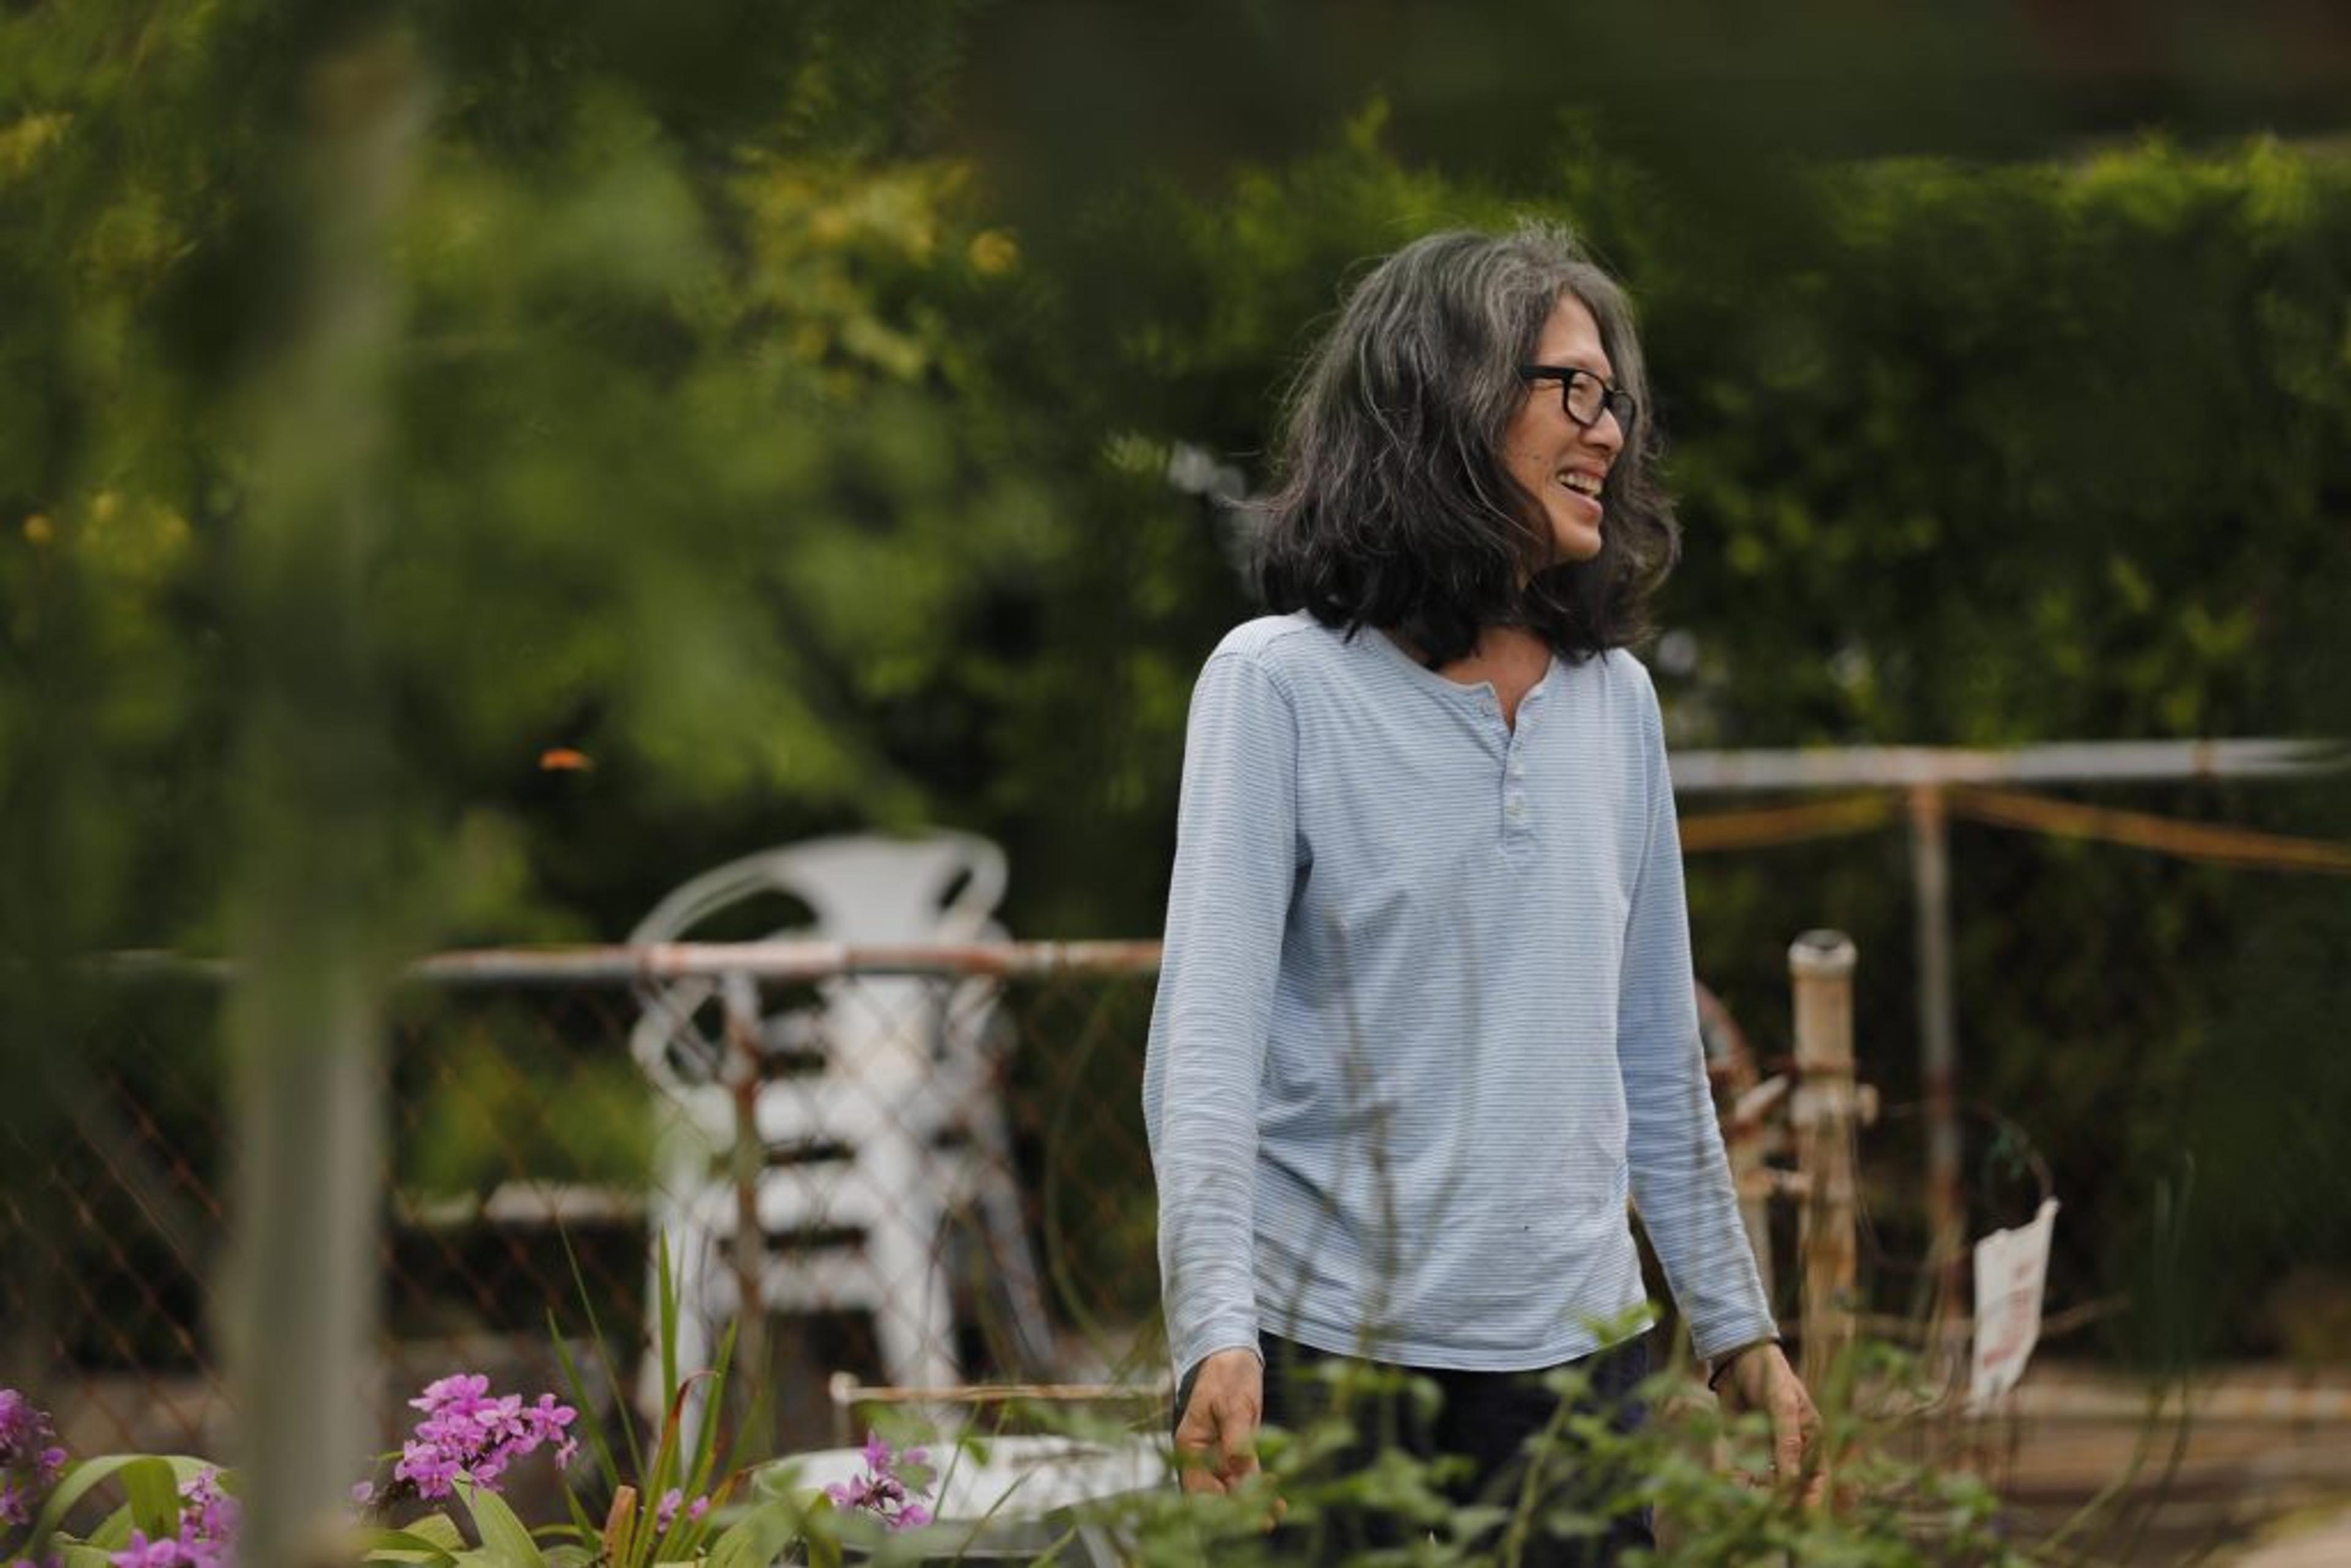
(1471, 1441)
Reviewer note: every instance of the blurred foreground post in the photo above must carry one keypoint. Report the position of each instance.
(1820, 968)
(315, 876)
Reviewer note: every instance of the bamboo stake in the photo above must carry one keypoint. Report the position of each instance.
(1820, 966)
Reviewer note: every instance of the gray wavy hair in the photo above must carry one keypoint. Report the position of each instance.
(1393, 507)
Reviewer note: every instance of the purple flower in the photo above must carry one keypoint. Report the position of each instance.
(551, 1421)
(144, 1553)
(673, 1502)
(460, 1391)
(206, 1534)
(883, 1490)
(208, 1521)
(467, 1430)
(30, 1460)
(428, 1466)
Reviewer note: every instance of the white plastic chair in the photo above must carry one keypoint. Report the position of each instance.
(896, 1127)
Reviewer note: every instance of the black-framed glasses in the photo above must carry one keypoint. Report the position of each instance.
(1584, 395)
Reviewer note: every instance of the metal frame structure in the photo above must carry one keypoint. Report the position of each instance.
(1925, 774)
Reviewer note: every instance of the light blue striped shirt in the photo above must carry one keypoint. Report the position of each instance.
(1425, 1017)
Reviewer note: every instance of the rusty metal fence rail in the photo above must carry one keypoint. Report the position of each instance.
(940, 1150)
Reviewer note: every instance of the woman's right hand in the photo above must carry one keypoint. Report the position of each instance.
(1215, 1438)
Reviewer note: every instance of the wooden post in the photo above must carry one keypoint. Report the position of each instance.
(1748, 1176)
(1820, 968)
(1938, 1060)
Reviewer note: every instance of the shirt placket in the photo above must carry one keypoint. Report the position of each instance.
(1516, 802)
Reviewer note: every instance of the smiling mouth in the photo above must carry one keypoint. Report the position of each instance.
(1586, 486)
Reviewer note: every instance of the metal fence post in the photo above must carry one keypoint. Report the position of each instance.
(746, 1158)
(1938, 1051)
(1820, 968)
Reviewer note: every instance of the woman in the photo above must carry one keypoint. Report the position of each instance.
(1426, 1016)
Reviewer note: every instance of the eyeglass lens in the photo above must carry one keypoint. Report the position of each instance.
(1585, 395)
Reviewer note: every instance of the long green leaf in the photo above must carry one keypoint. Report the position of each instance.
(439, 1530)
(665, 1321)
(85, 1477)
(113, 1531)
(503, 1535)
(706, 1437)
(577, 1387)
(663, 1546)
(755, 1436)
(757, 1538)
(665, 1470)
(434, 1538)
(154, 1494)
(820, 1538)
(582, 1524)
(413, 1546)
(669, 1458)
(603, 1354)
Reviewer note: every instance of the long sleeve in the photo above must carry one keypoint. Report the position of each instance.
(1681, 1182)
(1237, 860)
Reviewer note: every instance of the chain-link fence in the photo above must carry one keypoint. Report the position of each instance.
(941, 1149)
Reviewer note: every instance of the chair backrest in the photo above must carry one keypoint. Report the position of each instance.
(943, 886)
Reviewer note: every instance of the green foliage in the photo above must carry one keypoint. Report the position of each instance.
(773, 423)
(1967, 455)
(151, 1486)
(2019, 455)
(2024, 449)
(505, 1538)
(1697, 1471)
(659, 411)
(497, 1100)
(671, 1504)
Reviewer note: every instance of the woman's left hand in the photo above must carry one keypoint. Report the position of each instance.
(1759, 1378)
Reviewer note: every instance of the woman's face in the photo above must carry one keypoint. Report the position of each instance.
(1557, 461)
